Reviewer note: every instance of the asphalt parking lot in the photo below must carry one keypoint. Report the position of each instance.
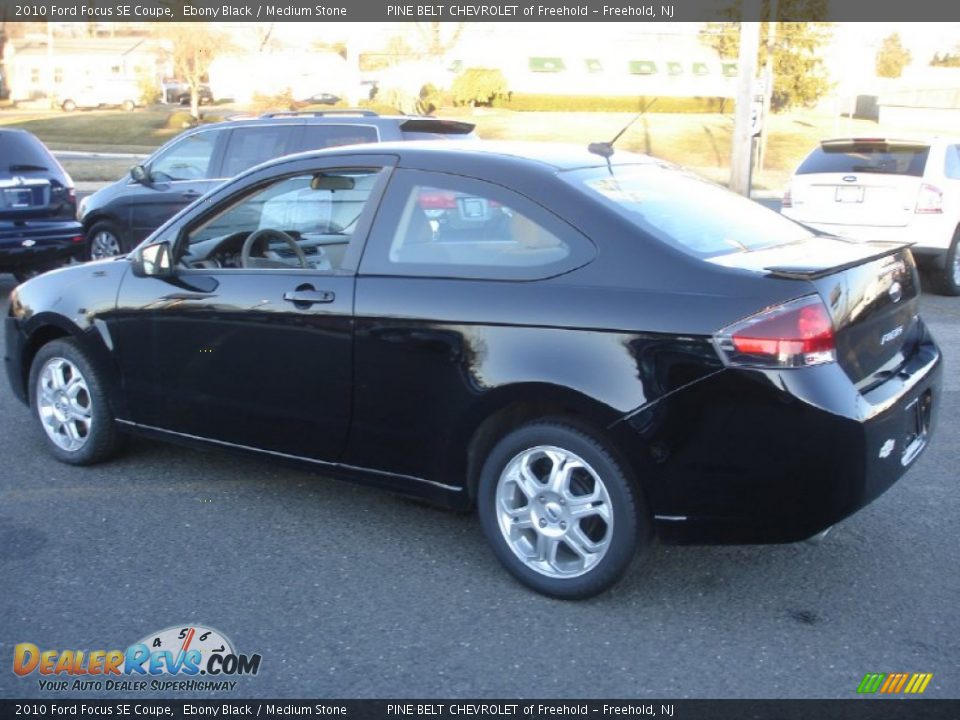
(349, 592)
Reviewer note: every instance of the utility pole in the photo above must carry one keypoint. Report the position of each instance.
(768, 82)
(741, 155)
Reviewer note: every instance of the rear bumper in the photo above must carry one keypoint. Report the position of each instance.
(761, 457)
(39, 246)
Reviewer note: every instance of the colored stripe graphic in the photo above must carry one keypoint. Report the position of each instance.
(893, 683)
(871, 682)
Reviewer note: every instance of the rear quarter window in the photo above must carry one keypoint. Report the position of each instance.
(317, 137)
(866, 158)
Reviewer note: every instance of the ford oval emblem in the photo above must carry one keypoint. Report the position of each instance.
(849, 178)
(895, 292)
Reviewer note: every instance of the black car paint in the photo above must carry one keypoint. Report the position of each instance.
(438, 365)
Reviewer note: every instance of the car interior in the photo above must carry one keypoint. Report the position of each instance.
(305, 221)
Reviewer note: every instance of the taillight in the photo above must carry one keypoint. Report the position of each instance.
(930, 200)
(787, 201)
(795, 334)
(438, 200)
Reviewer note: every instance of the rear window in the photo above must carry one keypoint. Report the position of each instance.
(691, 214)
(20, 151)
(882, 158)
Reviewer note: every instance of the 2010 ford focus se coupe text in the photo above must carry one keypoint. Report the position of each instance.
(592, 351)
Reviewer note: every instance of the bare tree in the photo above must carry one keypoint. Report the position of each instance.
(194, 47)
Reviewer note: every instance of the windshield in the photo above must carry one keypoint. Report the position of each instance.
(687, 212)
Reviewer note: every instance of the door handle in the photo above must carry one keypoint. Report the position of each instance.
(191, 194)
(309, 297)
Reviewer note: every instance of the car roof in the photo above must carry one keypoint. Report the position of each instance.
(555, 156)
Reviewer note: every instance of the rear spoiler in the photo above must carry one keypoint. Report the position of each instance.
(437, 125)
(862, 253)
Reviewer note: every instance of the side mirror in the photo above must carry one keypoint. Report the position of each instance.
(140, 174)
(154, 260)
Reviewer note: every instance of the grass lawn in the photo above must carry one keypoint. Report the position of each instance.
(96, 130)
(698, 141)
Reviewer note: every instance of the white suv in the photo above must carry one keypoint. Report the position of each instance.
(886, 189)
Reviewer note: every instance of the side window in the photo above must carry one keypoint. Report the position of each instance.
(301, 221)
(249, 146)
(317, 137)
(952, 169)
(449, 226)
(188, 159)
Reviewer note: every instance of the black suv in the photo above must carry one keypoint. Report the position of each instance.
(38, 205)
(116, 218)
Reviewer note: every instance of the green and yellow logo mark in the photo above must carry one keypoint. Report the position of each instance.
(891, 683)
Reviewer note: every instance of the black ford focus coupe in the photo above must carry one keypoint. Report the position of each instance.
(592, 351)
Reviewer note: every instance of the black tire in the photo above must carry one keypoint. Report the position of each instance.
(630, 522)
(68, 106)
(100, 229)
(102, 440)
(946, 281)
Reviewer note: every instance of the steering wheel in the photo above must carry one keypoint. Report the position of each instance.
(247, 261)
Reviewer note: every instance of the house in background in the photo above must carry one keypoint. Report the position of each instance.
(36, 69)
(927, 97)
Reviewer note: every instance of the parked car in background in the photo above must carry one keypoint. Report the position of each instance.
(616, 350)
(120, 215)
(38, 227)
(115, 93)
(204, 92)
(322, 98)
(886, 189)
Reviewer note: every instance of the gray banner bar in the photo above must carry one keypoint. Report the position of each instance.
(479, 10)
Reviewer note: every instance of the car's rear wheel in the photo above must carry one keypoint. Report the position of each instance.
(70, 403)
(559, 510)
(103, 241)
(68, 106)
(947, 281)
(129, 105)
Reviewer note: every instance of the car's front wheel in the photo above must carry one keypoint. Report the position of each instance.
(103, 241)
(559, 510)
(947, 281)
(68, 106)
(69, 401)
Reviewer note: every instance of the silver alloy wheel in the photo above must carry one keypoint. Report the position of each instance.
(554, 512)
(104, 244)
(64, 404)
(956, 268)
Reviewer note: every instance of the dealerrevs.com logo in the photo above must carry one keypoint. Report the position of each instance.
(185, 652)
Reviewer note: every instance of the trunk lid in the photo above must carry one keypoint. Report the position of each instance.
(871, 291)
